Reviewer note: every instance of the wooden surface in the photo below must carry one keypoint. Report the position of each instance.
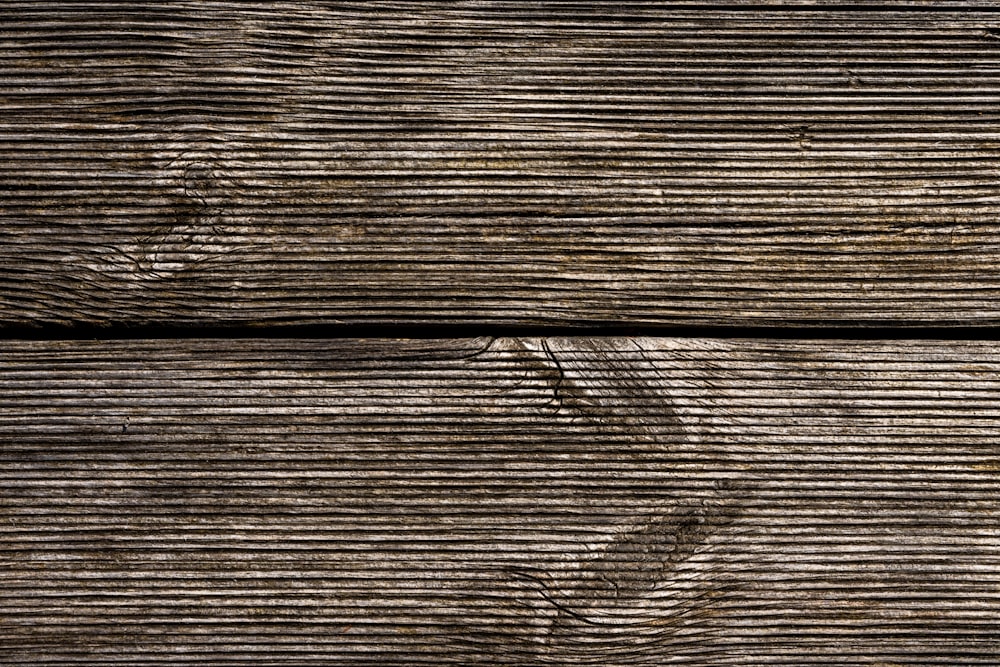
(594, 501)
(558, 163)
(176, 177)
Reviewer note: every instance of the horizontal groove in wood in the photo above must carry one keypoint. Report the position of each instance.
(522, 500)
(515, 163)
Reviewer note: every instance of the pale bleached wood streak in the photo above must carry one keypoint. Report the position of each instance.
(639, 501)
(513, 162)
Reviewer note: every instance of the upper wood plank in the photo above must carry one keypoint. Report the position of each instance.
(499, 162)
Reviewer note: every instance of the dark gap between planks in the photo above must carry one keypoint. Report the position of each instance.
(335, 331)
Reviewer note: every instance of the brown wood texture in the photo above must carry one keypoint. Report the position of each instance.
(588, 501)
(522, 163)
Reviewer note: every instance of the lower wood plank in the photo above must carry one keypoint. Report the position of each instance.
(632, 501)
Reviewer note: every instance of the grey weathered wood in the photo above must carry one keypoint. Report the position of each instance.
(577, 501)
(513, 162)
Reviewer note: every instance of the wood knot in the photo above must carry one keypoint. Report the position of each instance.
(200, 183)
(643, 585)
(196, 228)
(647, 552)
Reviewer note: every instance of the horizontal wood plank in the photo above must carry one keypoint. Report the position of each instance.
(610, 501)
(563, 163)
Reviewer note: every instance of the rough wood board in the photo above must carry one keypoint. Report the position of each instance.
(559, 163)
(612, 501)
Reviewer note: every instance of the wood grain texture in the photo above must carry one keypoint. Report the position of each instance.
(562, 163)
(610, 501)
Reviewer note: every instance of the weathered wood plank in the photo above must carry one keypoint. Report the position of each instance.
(566, 163)
(566, 500)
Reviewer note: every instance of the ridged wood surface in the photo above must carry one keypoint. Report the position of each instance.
(587, 501)
(523, 163)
